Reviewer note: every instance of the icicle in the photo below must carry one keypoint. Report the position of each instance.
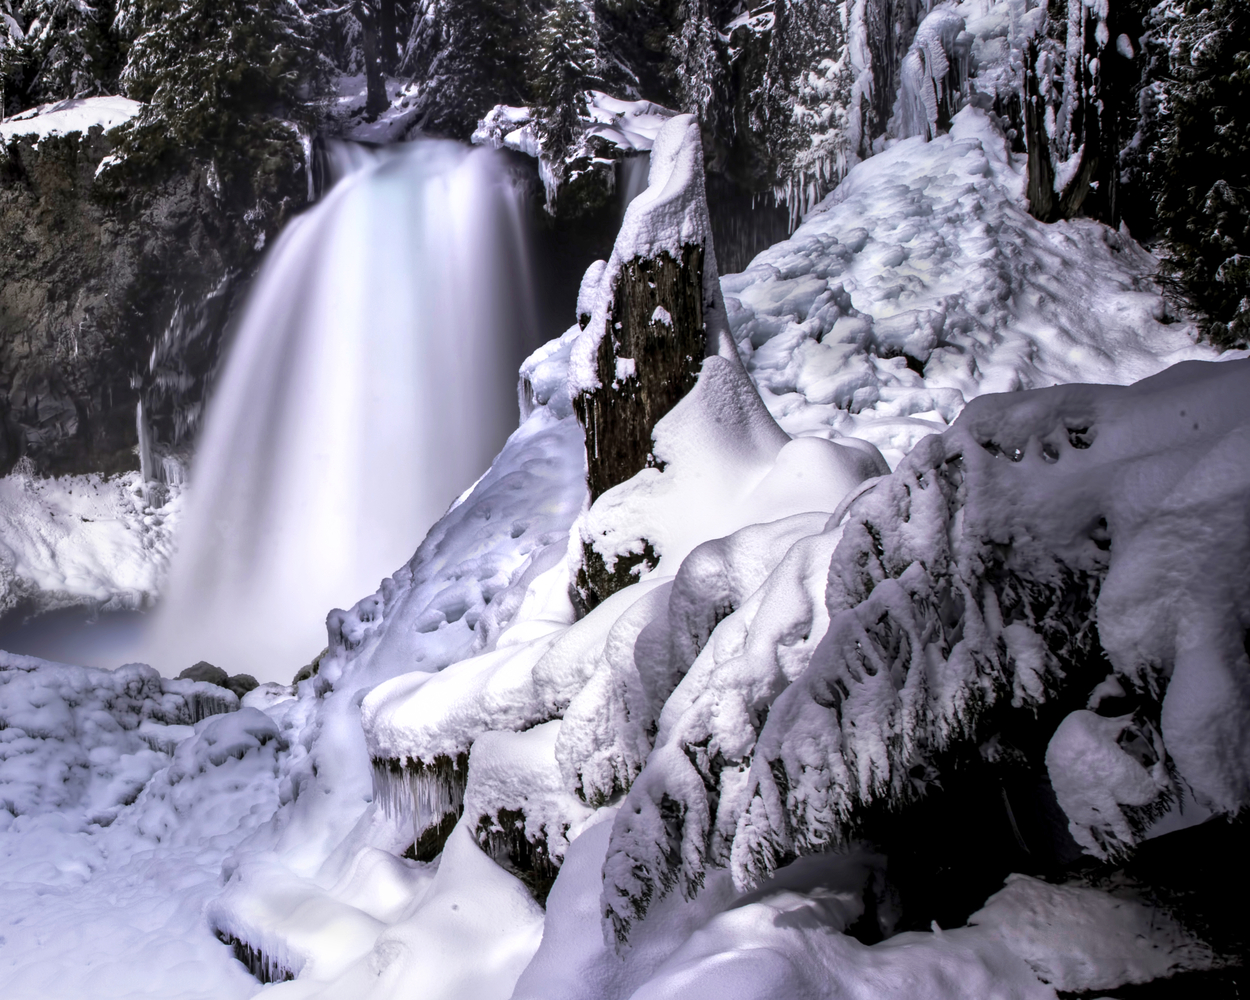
(264, 967)
(934, 75)
(427, 792)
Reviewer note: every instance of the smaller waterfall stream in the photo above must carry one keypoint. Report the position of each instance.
(371, 380)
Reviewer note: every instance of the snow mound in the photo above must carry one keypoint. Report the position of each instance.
(83, 540)
(721, 463)
(963, 587)
(80, 739)
(78, 114)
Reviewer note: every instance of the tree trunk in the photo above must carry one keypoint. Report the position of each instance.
(388, 53)
(376, 100)
(649, 359)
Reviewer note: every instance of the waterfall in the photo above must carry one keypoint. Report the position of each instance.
(370, 381)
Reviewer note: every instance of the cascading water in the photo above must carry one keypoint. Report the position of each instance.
(371, 380)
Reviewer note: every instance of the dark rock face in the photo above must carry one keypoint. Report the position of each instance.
(206, 672)
(89, 281)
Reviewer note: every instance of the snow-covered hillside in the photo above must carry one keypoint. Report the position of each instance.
(478, 794)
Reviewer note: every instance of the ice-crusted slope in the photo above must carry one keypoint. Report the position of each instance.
(623, 748)
(922, 281)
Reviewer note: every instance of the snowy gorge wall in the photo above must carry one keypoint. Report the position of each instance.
(954, 476)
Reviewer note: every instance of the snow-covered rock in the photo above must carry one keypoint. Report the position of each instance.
(78, 114)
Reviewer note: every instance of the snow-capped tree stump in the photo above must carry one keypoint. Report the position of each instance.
(649, 359)
(650, 316)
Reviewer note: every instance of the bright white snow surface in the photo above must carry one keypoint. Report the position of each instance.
(83, 540)
(78, 114)
(628, 125)
(263, 824)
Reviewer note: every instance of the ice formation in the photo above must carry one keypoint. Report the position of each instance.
(922, 281)
(934, 74)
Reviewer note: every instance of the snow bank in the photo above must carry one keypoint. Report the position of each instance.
(963, 587)
(78, 114)
(83, 540)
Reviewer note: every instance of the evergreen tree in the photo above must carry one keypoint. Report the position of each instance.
(567, 66)
(1200, 163)
(12, 39)
(221, 78)
(54, 49)
(694, 56)
(376, 99)
(468, 56)
(636, 39)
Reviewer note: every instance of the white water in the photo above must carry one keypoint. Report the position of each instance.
(370, 382)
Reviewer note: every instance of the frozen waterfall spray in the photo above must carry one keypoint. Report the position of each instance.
(371, 380)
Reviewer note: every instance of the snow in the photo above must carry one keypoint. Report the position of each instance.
(1057, 478)
(631, 126)
(628, 125)
(1075, 938)
(86, 540)
(1095, 779)
(723, 464)
(76, 115)
(117, 816)
(926, 252)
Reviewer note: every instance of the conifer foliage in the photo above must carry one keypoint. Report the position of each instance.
(467, 56)
(1201, 159)
(53, 49)
(221, 78)
(567, 66)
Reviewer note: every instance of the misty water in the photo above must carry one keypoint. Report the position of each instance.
(370, 382)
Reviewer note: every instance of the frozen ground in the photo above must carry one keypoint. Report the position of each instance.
(132, 840)
(83, 540)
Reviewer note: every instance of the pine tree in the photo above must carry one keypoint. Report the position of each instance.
(12, 41)
(636, 39)
(376, 99)
(54, 49)
(1200, 165)
(220, 78)
(468, 56)
(567, 66)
